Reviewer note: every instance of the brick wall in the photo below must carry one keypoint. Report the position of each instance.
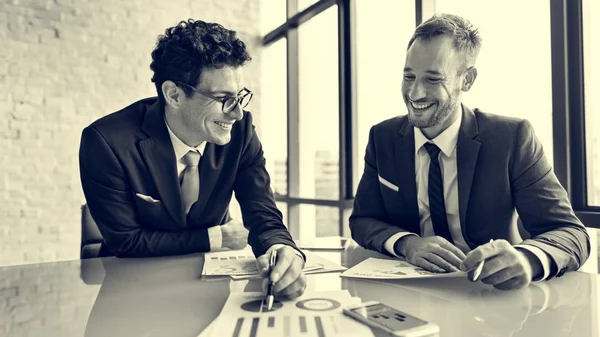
(63, 64)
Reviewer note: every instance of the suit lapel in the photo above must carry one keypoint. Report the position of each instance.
(466, 159)
(405, 168)
(158, 153)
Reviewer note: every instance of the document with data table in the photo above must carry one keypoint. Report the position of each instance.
(393, 269)
(241, 264)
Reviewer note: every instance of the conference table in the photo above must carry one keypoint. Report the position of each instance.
(168, 296)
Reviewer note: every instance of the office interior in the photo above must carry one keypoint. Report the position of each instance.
(322, 71)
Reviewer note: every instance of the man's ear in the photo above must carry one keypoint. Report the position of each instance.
(171, 94)
(469, 79)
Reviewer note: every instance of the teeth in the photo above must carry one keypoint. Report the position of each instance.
(223, 125)
(421, 105)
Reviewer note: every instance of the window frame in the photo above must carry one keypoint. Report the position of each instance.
(568, 106)
(347, 113)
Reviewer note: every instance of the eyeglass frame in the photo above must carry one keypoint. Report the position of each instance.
(237, 97)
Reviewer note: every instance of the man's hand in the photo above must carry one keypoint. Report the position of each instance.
(505, 267)
(235, 235)
(433, 253)
(287, 273)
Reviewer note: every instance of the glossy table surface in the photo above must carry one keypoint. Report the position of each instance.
(167, 297)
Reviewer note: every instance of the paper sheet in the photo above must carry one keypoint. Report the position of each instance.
(316, 314)
(241, 264)
(235, 262)
(374, 268)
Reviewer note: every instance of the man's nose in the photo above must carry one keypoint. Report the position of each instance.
(416, 91)
(237, 113)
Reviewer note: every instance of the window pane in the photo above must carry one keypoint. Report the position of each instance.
(379, 64)
(591, 50)
(514, 68)
(272, 15)
(273, 117)
(324, 220)
(318, 106)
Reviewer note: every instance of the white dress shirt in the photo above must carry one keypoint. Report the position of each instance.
(215, 237)
(446, 141)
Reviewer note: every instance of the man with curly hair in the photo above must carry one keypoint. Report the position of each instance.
(444, 186)
(159, 174)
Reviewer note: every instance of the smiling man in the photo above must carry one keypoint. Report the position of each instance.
(159, 174)
(445, 186)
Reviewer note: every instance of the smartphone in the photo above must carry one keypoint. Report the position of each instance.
(395, 322)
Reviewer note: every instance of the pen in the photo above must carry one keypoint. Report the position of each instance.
(479, 267)
(271, 284)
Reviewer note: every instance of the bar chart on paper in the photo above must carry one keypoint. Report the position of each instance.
(313, 314)
(320, 326)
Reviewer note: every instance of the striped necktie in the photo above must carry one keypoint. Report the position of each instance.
(437, 208)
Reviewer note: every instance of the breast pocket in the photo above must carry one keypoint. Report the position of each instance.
(384, 182)
(153, 214)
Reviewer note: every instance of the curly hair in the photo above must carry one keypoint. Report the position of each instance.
(190, 46)
(465, 38)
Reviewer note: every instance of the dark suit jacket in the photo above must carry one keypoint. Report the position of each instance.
(502, 171)
(129, 152)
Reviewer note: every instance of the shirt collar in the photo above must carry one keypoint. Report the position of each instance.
(446, 140)
(181, 148)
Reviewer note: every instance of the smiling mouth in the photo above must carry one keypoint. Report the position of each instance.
(225, 126)
(421, 106)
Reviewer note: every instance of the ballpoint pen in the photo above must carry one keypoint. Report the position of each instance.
(271, 284)
(479, 268)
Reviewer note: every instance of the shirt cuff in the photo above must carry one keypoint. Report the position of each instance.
(542, 256)
(215, 238)
(389, 243)
(279, 245)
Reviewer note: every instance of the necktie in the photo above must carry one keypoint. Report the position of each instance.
(437, 208)
(190, 182)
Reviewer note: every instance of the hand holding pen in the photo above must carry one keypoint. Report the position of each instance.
(271, 285)
(479, 267)
(281, 266)
(500, 264)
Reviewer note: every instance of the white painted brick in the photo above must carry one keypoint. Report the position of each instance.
(51, 87)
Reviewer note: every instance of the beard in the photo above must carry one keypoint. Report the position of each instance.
(439, 115)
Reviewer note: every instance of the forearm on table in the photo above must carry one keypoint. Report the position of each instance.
(397, 243)
(374, 234)
(567, 247)
(148, 243)
(276, 237)
(539, 261)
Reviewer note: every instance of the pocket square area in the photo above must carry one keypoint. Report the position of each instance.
(146, 197)
(387, 184)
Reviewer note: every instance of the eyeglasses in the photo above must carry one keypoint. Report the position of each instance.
(229, 102)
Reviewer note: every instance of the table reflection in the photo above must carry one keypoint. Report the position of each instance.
(155, 297)
(559, 307)
(168, 297)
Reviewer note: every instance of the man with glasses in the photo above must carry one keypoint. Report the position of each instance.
(159, 174)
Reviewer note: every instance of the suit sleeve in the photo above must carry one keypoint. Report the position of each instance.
(544, 207)
(368, 224)
(111, 203)
(253, 192)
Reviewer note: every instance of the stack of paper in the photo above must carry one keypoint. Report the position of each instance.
(313, 314)
(393, 269)
(241, 264)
